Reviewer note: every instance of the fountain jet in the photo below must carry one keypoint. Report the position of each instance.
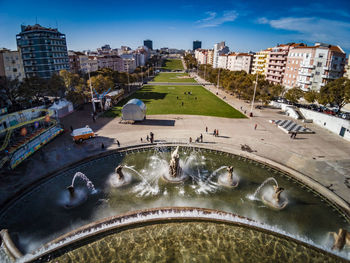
(228, 179)
(71, 191)
(175, 169)
(341, 239)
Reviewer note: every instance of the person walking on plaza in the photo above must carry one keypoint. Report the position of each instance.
(256, 125)
(147, 138)
(190, 139)
(201, 137)
(206, 129)
(118, 143)
(217, 133)
(214, 132)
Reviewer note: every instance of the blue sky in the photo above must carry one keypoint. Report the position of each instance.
(244, 25)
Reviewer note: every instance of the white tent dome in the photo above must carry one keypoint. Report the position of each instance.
(134, 110)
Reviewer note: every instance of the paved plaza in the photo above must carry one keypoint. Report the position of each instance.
(322, 156)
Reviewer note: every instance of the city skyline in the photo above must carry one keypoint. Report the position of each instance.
(245, 27)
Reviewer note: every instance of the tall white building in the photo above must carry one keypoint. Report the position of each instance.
(219, 49)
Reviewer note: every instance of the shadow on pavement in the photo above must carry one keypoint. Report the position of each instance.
(156, 122)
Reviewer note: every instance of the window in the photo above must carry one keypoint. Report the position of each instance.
(319, 64)
(320, 55)
(317, 73)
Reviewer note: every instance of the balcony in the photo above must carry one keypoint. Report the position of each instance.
(278, 53)
(274, 74)
(276, 64)
(328, 76)
(307, 66)
(306, 74)
(307, 82)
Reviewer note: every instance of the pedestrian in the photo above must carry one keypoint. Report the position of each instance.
(291, 135)
(295, 135)
(206, 129)
(201, 137)
(182, 103)
(147, 138)
(141, 139)
(197, 139)
(102, 146)
(190, 139)
(217, 133)
(177, 97)
(118, 143)
(256, 125)
(245, 112)
(241, 108)
(71, 128)
(214, 132)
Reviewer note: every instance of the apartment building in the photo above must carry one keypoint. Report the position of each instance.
(277, 62)
(310, 68)
(11, 65)
(210, 56)
(222, 61)
(43, 50)
(240, 61)
(113, 62)
(201, 56)
(260, 60)
(219, 49)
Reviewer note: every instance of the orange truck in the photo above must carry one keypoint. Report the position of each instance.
(82, 134)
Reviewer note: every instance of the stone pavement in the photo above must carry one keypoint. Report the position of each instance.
(323, 156)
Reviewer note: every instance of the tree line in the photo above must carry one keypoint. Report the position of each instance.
(241, 84)
(16, 95)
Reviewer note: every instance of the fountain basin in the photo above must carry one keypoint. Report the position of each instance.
(180, 234)
(199, 164)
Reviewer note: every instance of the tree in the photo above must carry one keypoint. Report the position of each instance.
(335, 92)
(70, 79)
(101, 83)
(9, 91)
(311, 96)
(56, 86)
(294, 94)
(33, 87)
(277, 90)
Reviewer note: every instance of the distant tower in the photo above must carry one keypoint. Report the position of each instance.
(148, 43)
(197, 44)
(44, 51)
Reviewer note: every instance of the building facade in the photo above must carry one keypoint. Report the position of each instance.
(197, 44)
(11, 65)
(277, 62)
(310, 68)
(347, 69)
(222, 61)
(148, 43)
(43, 50)
(219, 49)
(201, 56)
(260, 60)
(113, 62)
(240, 61)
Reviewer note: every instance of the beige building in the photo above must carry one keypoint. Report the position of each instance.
(260, 62)
(310, 68)
(11, 64)
(222, 61)
(210, 58)
(240, 61)
(201, 56)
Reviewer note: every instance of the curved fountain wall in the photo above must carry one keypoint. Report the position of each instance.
(166, 215)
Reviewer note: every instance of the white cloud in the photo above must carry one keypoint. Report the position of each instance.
(313, 29)
(213, 20)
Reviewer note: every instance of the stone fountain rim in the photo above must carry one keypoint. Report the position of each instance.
(112, 229)
(332, 198)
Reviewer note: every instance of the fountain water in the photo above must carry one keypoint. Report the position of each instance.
(76, 196)
(228, 179)
(176, 175)
(271, 197)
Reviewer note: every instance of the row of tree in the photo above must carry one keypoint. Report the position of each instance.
(15, 94)
(240, 83)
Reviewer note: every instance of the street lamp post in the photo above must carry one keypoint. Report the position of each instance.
(92, 96)
(217, 86)
(256, 83)
(127, 66)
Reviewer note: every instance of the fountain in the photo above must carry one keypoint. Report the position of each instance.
(271, 197)
(228, 179)
(76, 196)
(175, 171)
(341, 239)
(206, 188)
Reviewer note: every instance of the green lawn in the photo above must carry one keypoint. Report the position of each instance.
(172, 77)
(163, 100)
(173, 64)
